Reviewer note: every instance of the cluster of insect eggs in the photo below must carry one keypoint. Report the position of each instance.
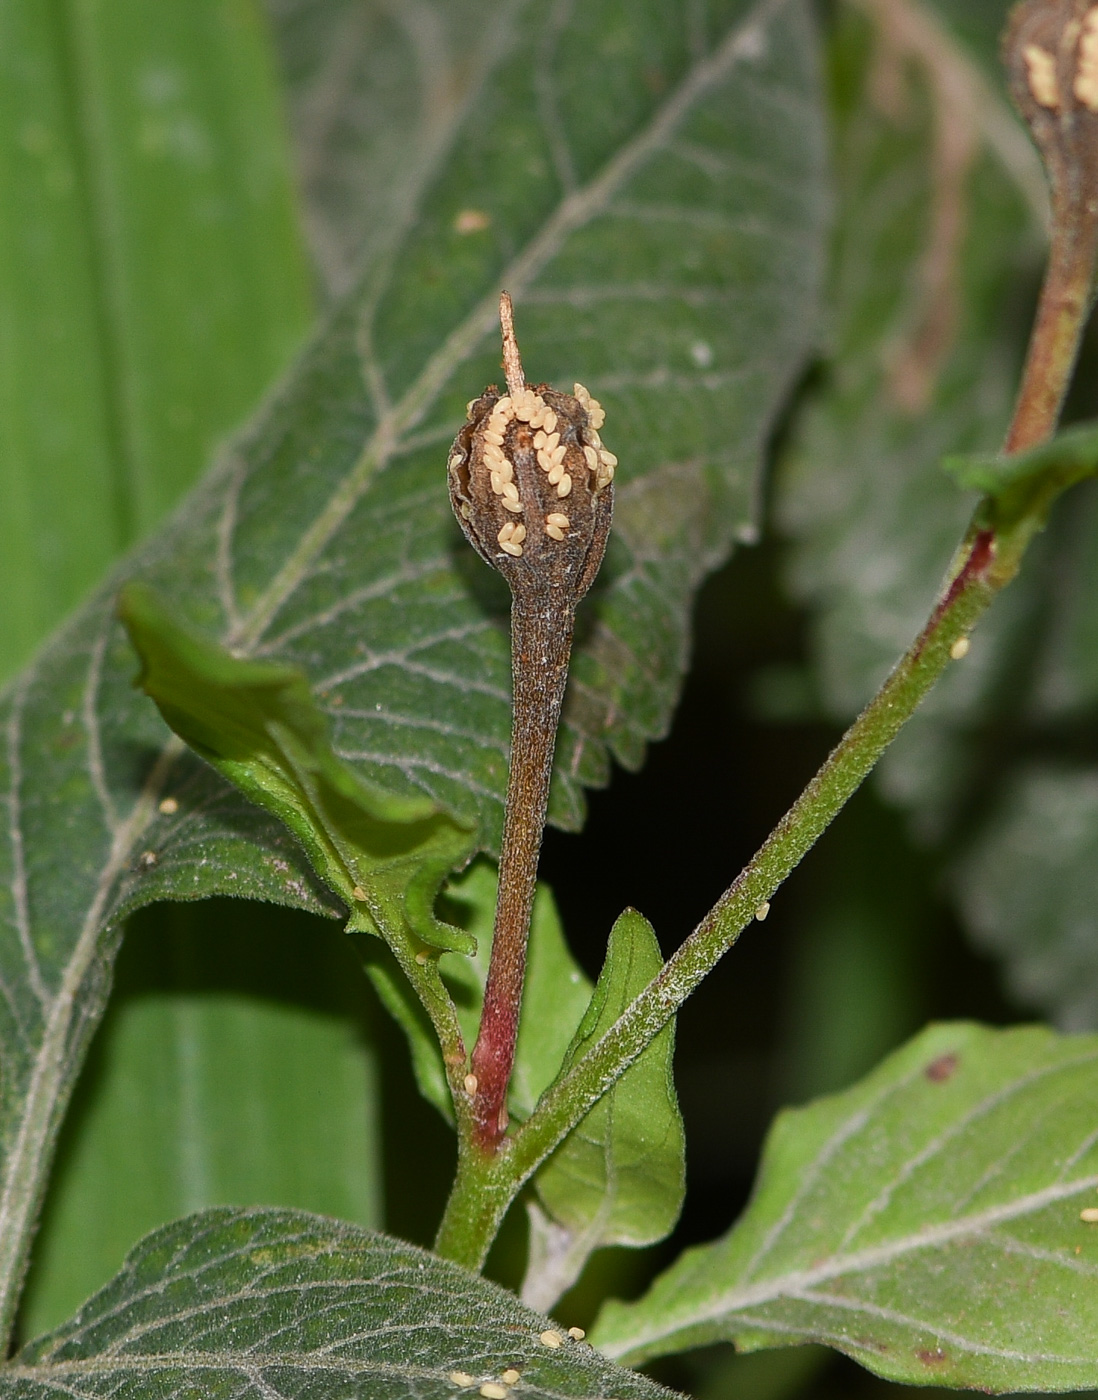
(529, 407)
(1041, 68)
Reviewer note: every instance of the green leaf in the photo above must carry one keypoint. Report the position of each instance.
(230, 1050)
(619, 1175)
(151, 276)
(926, 1222)
(661, 233)
(556, 994)
(1027, 890)
(256, 722)
(1068, 457)
(257, 1303)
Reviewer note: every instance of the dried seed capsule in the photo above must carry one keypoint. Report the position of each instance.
(522, 454)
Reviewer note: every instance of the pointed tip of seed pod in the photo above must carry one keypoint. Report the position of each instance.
(512, 360)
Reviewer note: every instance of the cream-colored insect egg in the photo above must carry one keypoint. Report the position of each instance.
(168, 805)
(1041, 76)
(582, 394)
(592, 458)
(549, 1338)
(540, 439)
(492, 1390)
(510, 1376)
(577, 1333)
(471, 1083)
(543, 461)
(518, 532)
(607, 458)
(509, 503)
(491, 435)
(506, 530)
(556, 518)
(555, 473)
(565, 486)
(510, 491)
(505, 407)
(594, 439)
(462, 1378)
(554, 531)
(550, 420)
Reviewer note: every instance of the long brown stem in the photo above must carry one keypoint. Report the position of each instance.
(1054, 346)
(530, 483)
(541, 643)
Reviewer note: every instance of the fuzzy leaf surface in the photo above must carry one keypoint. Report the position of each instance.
(259, 1303)
(661, 234)
(926, 1222)
(257, 724)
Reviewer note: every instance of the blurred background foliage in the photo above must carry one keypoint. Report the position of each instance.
(186, 185)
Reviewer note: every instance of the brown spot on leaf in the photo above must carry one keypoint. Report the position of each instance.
(941, 1069)
(934, 1357)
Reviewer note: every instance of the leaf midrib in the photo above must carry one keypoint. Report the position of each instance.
(246, 1361)
(798, 1283)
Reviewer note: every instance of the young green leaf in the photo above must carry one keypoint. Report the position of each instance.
(1070, 456)
(619, 1176)
(933, 1222)
(256, 1303)
(256, 722)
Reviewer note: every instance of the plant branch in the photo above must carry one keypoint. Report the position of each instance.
(987, 560)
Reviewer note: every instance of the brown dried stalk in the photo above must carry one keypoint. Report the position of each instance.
(530, 483)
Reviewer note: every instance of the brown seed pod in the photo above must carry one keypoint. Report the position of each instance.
(531, 482)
